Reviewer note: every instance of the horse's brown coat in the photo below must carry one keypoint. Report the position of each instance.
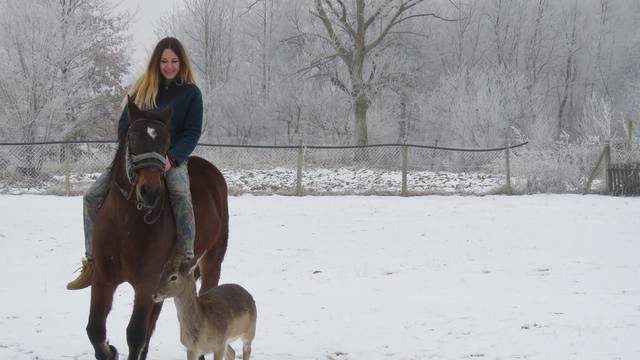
(126, 249)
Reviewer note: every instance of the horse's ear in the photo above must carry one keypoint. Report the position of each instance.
(134, 111)
(166, 115)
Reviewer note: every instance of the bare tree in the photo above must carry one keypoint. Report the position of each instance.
(569, 78)
(353, 35)
(263, 12)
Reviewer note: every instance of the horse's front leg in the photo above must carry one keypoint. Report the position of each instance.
(150, 328)
(101, 300)
(139, 329)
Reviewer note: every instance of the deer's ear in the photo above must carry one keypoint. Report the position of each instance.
(188, 267)
(134, 111)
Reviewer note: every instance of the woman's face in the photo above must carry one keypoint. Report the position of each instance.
(169, 64)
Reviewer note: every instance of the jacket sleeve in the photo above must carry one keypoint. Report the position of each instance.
(186, 143)
(123, 124)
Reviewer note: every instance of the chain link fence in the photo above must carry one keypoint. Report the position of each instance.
(566, 168)
(388, 169)
(68, 168)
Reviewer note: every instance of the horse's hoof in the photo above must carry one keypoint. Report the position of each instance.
(114, 352)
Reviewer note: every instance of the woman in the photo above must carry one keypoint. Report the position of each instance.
(167, 81)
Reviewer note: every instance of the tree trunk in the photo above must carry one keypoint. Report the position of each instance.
(360, 112)
(570, 75)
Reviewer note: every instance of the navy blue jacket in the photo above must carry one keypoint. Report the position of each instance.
(186, 119)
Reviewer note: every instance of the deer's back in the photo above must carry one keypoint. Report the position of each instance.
(228, 301)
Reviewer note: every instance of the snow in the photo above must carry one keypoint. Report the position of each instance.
(434, 277)
(315, 181)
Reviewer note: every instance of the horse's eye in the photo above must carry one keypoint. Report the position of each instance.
(173, 277)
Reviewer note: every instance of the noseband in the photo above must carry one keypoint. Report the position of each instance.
(139, 161)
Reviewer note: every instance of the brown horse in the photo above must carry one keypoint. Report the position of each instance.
(134, 232)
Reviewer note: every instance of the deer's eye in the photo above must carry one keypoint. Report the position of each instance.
(173, 277)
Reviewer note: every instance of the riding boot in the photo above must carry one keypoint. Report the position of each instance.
(84, 279)
(177, 180)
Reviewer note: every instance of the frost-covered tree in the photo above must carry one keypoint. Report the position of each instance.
(595, 124)
(63, 64)
(355, 38)
(387, 65)
(233, 51)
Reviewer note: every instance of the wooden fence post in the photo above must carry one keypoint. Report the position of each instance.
(607, 165)
(594, 172)
(405, 167)
(299, 172)
(629, 140)
(508, 189)
(67, 168)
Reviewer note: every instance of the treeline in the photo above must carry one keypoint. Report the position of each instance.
(473, 73)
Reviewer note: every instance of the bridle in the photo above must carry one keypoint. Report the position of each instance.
(134, 162)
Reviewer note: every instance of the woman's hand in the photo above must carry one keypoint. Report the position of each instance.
(167, 164)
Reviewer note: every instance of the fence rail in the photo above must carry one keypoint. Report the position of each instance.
(68, 168)
(624, 179)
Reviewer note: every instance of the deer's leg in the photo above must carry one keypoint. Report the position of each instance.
(138, 331)
(101, 301)
(191, 355)
(218, 354)
(246, 350)
(230, 354)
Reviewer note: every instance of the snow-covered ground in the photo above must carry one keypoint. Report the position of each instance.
(315, 181)
(436, 277)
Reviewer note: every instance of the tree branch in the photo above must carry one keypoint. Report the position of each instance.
(376, 13)
(397, 19)
(341, 16)
(335, 41)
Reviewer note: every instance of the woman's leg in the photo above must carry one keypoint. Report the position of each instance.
(92, 202)
(180, 198)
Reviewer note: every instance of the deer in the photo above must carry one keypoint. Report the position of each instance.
(212, 320)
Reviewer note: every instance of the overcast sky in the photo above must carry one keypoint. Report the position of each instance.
(142, 30)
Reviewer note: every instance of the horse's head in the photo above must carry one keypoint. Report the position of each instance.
(148, 140)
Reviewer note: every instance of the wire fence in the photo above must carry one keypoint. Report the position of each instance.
(68, 168)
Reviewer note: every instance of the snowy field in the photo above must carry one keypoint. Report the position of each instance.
(439, 277)
(318, 181)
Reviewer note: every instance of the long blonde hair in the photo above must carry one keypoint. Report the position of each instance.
(145, 89)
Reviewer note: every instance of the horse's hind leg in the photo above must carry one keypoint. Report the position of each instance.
(211, 262)
(138, 331)
(101, 301)
(210, 266)
(210, 271)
